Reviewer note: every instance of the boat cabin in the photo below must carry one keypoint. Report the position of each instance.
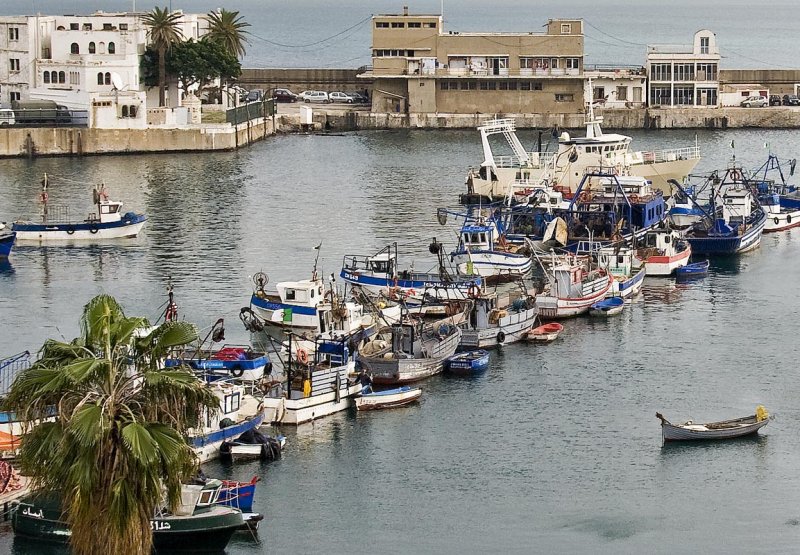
(109, 211)
(568, 279)
(618, 261)
(660, 239)
(737, 204)
(477, 237)
(301, 293)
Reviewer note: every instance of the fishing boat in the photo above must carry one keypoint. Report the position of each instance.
(607, 307)
(107, 222)
(694, 270)
(684, 210)
(387, 398)
(625, 268)
(545, 333)
(735, 222)
(725, 429)
(313, 385)
(378, 275)
(497, 174)
(499, 318)
(663, 251)
(7, 238)
(410, 350)
(571, 289)
(468, 363)
(780, 200)
(199, 524)
(253, 444)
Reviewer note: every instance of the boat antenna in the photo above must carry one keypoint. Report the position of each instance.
(318, 248)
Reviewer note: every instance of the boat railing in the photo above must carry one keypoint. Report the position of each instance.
(535, 160)
(10, 367)
(55, 214)
(665, 155)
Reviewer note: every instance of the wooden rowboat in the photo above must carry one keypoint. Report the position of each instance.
(607, 307)
(468, 363)
(545, 333)
(724, 429)
(387, 399)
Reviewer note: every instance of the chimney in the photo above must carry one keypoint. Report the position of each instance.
(405, 10)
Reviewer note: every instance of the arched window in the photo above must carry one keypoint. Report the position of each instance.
(91, 48)
(124, 111)
(62, 77)
(133, 111)
(112, 48)
(100, 78)
(108, 78)
(74, 48)
(46, 76)
(54, 77)
(102, 46)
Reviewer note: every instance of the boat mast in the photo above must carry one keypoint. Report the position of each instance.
(43, 197)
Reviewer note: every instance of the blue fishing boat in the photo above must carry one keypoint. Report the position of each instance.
(780, 200)
(735, 222)
(607, 307)
(6, 241)
(468, 363)
(694, 270)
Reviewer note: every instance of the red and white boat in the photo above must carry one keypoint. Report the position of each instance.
(572, 290)
(545, 333)
(663, 251)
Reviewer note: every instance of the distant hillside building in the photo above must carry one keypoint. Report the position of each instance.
(418, 68)
(684, 75)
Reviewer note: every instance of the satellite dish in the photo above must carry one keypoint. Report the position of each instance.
(116, 80)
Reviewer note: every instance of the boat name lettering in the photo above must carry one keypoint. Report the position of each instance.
(158, 525)
(348, 275)
(27, 511)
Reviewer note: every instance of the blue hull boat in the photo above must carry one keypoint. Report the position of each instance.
(6, 242)
(607, 307)
(468, 363)
(231, 361)
(697, 269)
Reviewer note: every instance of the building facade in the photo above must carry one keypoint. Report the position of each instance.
(684, 76)
(616, 87)
(418, 68)
(16, 67)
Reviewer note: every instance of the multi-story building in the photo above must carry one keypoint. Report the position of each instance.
(16, 67)
(685, 75)
(616, 86)
(418, 68)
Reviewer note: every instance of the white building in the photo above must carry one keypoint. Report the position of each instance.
(16, 67)
(615, 87)
(684, 76)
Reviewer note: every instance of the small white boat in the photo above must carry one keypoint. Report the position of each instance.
(724, 429)
(545, 333)
(251, 451)
(387, 399)
(607, 307)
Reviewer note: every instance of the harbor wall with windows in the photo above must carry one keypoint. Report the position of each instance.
(71, 141)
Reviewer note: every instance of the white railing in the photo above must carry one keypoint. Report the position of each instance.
(667, 155)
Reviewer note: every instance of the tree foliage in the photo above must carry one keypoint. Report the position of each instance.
(163, 32)
(116, 442)
(199, 63)
(228, 28)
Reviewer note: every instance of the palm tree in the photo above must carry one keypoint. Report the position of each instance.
(164, 32)
(228, 29)
(116, 444)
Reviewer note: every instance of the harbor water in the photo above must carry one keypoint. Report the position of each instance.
(555, 449)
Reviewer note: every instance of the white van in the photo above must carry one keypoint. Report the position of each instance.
(7, 117)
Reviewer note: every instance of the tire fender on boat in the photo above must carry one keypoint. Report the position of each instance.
(776, 220)
(788, 218)
(70, 230)
(94, 229)
(237, 371)
(501, 337)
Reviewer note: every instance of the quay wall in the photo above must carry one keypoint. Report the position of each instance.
(65, 141)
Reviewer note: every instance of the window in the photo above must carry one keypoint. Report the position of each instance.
(107, 78)
(554, 63)
(87, 26)
(13, 33)
(488, 85)
(101, 48)
(92, 48)
(507, 85)
(536, 86)
(14, 64)
(526, 63)
(706, 72)
(637, 94)
(707, 97)
(469, 85)
(684, 72)
(444, 85)
(573, 63)
(566, 28)
(660, 96)
(123, 26)
(622, 93)
(133, 111)
(398, 24)
(107, 27)
(54, 76)
(414, 25)
(684, 96)
(704, 43)
(290, 294)
(112, 48)
(74, 48)
(524, 85)
(124, 111)
(562, 97)
(382, 24)
(62, 77)
(100, 78)
(14, 96)
(74, 78)
(430, 25)
(46, 77)
(73, 26)
(661, 72)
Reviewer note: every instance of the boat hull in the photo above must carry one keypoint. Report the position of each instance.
(666, 265)
(545, 333)
(671, 432)
(206, 446)
(388, 399)
(398, 371)
(509, 329)
(553, 307)
(492, 265)
(467, 364)
(781, 221)
(412, 290)
(738, 244)
(6, 244)
(628, 287)
(83, 231)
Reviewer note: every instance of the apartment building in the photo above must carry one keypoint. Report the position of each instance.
(684, 75)
(16, 67)
(616, 86)
(419, 68)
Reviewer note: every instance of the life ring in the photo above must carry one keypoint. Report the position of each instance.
(634, 198)
(788, 218)
(70, 230)
(237, 371)
(776, 220)
(501, 337)
(94, 229)
(302, 356)
(474, 291)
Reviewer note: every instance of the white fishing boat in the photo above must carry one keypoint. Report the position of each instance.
(724, 429)
(499, 319)
(625, 268)
(56, 225)
(663, 251)
(388, 398)
(571, 289)
(313, 387)
(498, 175)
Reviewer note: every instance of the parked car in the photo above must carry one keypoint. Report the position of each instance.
(791, 100)
(756, 101)
(358, 98)
(7, 117)
(338, 96)
(255, 95)
(284, 95)
(774, 100)
(316, 96)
